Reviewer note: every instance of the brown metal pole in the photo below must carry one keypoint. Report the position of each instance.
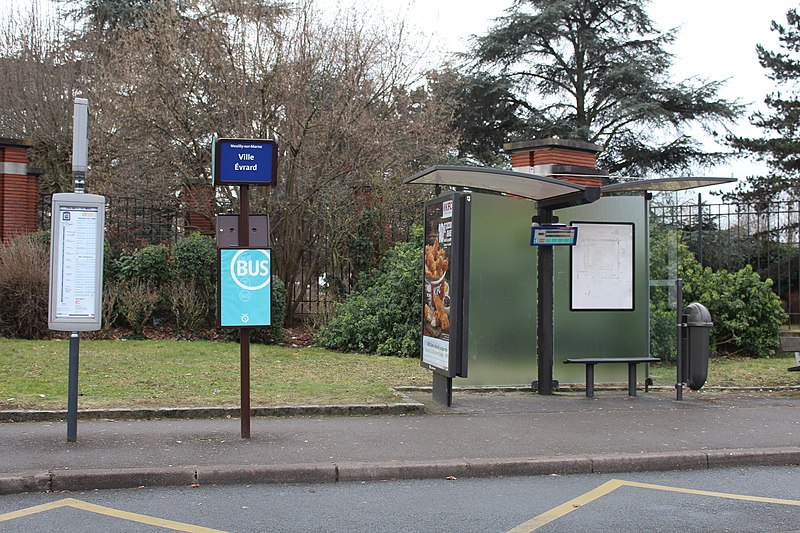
(244, 333)
(244, 361)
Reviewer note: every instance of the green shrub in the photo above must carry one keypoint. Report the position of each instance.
(747, 315)
(150, 266)
(195, 259)
(189, 305)
(24, 286)
(663, 324)
(138, 302)
(112, 292)
(39, 238)
(384, 315)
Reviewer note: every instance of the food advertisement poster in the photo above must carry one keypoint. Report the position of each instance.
(443, 302)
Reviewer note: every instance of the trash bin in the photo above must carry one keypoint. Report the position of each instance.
(697, 344)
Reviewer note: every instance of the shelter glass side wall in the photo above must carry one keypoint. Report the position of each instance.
(502, 293)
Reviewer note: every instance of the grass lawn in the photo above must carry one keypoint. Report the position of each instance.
(156, 373)
(737, 372)
(166, 373)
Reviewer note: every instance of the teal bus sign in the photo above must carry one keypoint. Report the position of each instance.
(245, 287)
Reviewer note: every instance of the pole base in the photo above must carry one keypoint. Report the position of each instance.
(535, 385)
(442, 390)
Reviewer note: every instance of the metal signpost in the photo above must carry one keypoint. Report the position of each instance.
(77, 229)
(244, 273)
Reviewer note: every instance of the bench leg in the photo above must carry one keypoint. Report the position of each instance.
(631, 379)
(590, 380)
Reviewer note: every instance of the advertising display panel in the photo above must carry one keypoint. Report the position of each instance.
(444, 299)
(77, 228)
(245, 287)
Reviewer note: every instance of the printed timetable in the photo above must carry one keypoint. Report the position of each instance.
(76, 266)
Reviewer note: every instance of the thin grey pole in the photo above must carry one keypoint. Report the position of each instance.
(700, 229)
(72, 392)
(679, 360)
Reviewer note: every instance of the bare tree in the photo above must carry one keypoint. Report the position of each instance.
(341, 93)
(38, 82)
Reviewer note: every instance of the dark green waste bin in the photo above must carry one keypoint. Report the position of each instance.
(697, 344)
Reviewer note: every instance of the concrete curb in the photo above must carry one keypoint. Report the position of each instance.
(577, 387)
(406, 407)
(89, 479)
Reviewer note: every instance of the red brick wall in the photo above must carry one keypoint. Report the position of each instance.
(19, 195)
(200, 209)
(561, 156)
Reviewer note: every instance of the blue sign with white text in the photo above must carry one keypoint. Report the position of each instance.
(245, 287)
(245, 162)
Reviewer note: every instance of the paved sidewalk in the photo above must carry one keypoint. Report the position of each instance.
(482, 435)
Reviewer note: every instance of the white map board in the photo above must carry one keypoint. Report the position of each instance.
(602, 267)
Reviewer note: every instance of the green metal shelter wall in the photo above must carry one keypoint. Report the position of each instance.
(602, 333)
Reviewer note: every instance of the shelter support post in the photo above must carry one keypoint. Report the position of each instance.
(442, 389)
(544, 328)
(679, 359)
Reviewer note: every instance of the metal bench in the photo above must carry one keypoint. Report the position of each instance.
(792, 344)
(591, 361)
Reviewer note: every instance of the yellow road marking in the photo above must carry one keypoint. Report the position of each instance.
(33, 510)
(610, 486)
(566, 508)
(713, 494)
(108, 511)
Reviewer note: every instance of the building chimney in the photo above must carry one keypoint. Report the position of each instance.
(567, 160)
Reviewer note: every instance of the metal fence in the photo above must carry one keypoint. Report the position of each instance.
(131, 222)
(730, 236)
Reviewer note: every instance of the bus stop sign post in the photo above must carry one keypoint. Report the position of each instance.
(77, 229)
(245, 162)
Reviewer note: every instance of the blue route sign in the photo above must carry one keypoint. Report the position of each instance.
(245, 287)
(554, 235)
(245, 162)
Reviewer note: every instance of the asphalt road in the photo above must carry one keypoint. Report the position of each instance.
(737, 500)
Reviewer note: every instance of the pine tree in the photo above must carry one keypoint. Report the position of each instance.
(598, 70)
(780, 146)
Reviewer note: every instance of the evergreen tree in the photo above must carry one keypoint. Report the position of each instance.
(780, 148)
(598, 70)
(484, 111)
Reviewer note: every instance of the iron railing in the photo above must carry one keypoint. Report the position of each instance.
(729, 236)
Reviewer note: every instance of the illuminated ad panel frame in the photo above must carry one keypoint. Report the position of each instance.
(602, 267)
(444, 298)
(77, 229)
